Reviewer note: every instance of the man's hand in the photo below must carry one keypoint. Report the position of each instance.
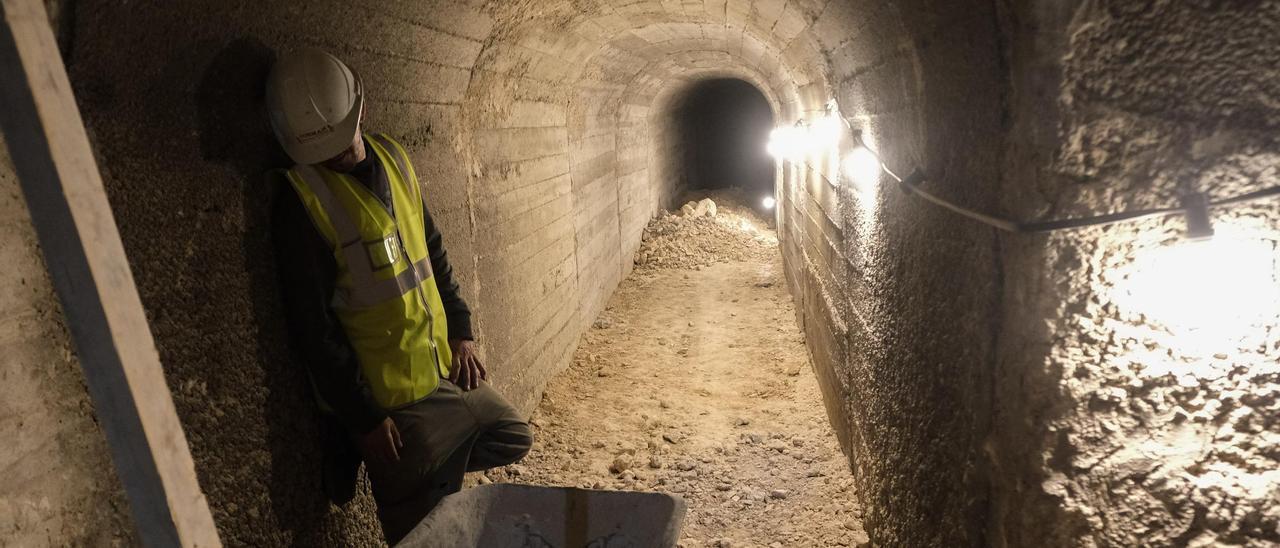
(382, 443)
(466, 371)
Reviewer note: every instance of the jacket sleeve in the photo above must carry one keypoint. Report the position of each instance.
(455, 308)
(307, 273)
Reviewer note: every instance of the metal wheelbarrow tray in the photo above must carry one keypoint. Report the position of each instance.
(528, 516)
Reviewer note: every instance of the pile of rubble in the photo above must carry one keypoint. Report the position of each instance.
(704, 233)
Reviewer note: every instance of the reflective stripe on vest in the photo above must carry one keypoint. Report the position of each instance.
(385, 295)
(366, 290)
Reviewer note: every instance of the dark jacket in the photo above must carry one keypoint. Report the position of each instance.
(308, 273)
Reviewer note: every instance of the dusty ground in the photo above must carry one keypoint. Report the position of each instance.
(695, 382)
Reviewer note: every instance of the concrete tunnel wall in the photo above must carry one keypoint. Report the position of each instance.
(971, 378)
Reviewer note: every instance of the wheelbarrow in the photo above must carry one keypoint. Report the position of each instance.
(528, 516)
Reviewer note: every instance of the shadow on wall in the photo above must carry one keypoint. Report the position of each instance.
(722, 127)
(234, 132)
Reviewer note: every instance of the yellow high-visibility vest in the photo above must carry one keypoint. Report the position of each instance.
(385, 295)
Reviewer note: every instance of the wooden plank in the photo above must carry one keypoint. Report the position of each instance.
(87, 264)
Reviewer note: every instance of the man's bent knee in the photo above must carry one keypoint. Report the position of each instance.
(501, 445)
(525, 434)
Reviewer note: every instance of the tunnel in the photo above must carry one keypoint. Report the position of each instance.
(722, 125)
(1097, 386)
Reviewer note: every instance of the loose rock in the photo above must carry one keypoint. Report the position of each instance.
(620, 465)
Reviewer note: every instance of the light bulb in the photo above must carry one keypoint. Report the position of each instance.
(772, 148)
(1207, 292)
(863, 167)
(769, 202)
(786, 143)
(826, 131)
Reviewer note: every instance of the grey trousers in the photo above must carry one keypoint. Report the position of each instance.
(449, 433)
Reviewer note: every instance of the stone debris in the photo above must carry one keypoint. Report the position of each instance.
(701, 208)
(620, 464)
(702, 234)
(706, 208)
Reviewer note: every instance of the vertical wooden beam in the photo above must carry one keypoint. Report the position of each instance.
(87, 264)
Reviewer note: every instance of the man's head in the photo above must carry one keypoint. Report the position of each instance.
(316, 105)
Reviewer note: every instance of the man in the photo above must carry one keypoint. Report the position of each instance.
(373, 307)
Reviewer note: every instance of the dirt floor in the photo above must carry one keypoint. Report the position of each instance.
(695, 381)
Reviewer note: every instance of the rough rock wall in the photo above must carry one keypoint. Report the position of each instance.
(1139, 375)
(57, 487)
(172, 98)
(1097, 387)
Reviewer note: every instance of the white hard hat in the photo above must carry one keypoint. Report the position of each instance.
(314, 102)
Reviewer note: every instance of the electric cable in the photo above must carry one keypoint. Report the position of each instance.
(911, 185)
